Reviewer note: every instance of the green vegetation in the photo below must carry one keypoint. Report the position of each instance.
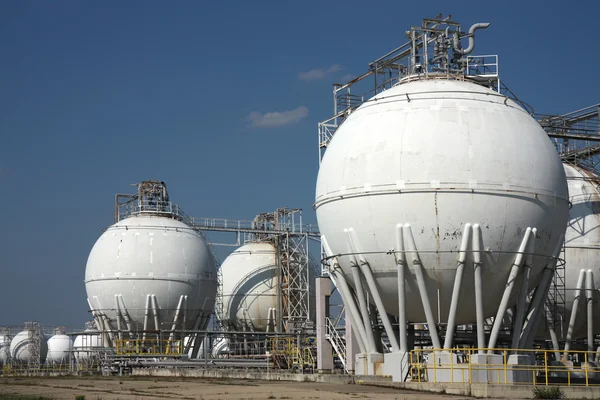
(548, 392)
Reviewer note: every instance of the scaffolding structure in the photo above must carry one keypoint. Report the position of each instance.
(283, 228)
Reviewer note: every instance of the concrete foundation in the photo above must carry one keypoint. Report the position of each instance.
(368, 364)
(518, 369)
(397, 365)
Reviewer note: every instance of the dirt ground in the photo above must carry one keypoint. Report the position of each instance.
(170, 388)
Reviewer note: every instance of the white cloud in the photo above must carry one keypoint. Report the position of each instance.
(319, 73)
(277, 118)
(347, 77)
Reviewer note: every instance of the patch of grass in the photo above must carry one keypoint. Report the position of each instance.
(80, 397)
(548, 392)
(271, 397)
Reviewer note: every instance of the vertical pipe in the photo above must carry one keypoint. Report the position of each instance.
(410, 241)
(508, 290)
(477, 266)
(574, 311)
(522, 304)
(589, 294)
(456, 289)
(401, 264)
(368, 274)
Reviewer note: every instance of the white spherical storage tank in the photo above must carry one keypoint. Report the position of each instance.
(582, 250)
(59, 347)
(86, 346)
(431, 160)
(250, 279)
(22, 345)
(4, 348)
(147, 272)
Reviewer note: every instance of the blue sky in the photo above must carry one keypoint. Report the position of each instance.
(98, 95)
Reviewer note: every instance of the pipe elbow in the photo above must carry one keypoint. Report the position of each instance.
(472, 29)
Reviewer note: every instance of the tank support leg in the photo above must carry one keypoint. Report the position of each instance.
(539, 298)
(522, 304)
(456, 289)
(155, 312)
(508, 290)
(553, 336)
(401, 265)
(574, 310)
(589, 294)
(105, 328)
(176, 318)
(118, 310)
(416, 261)
(125, 313)
(368, 274)
(146, 314)
(360, 293)
(340, 282)
(351, 311)
(477, 266)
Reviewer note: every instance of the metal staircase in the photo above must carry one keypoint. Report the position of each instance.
(337, 342)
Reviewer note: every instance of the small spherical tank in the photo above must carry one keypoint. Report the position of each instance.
(250, 278)
(438, 154)
(582, 247)
(5, 340)
(151, 265)
(22, 347)
(59, 347)
(86, 346)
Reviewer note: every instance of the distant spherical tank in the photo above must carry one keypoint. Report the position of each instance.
(22, 347)
(438, 154)
(582, 245)
(59, 347)
(149, 262)
(250, 279)
(86, 346)
(5, 340)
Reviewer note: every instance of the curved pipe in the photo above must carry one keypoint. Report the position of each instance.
(472, 29)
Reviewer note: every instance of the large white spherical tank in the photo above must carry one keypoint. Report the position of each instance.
(21, 347)
(249, 279)
(86, 346)
(582, 245)
(143, 256)
(59, 347)
(4, 348)
(456, 153)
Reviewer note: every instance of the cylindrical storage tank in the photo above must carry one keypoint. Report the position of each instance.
(152, 266)
(250, 279)
(59, 347)
(22, 347)
(86, 346)
(5, 340)
(581, 251)
(428, 157)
